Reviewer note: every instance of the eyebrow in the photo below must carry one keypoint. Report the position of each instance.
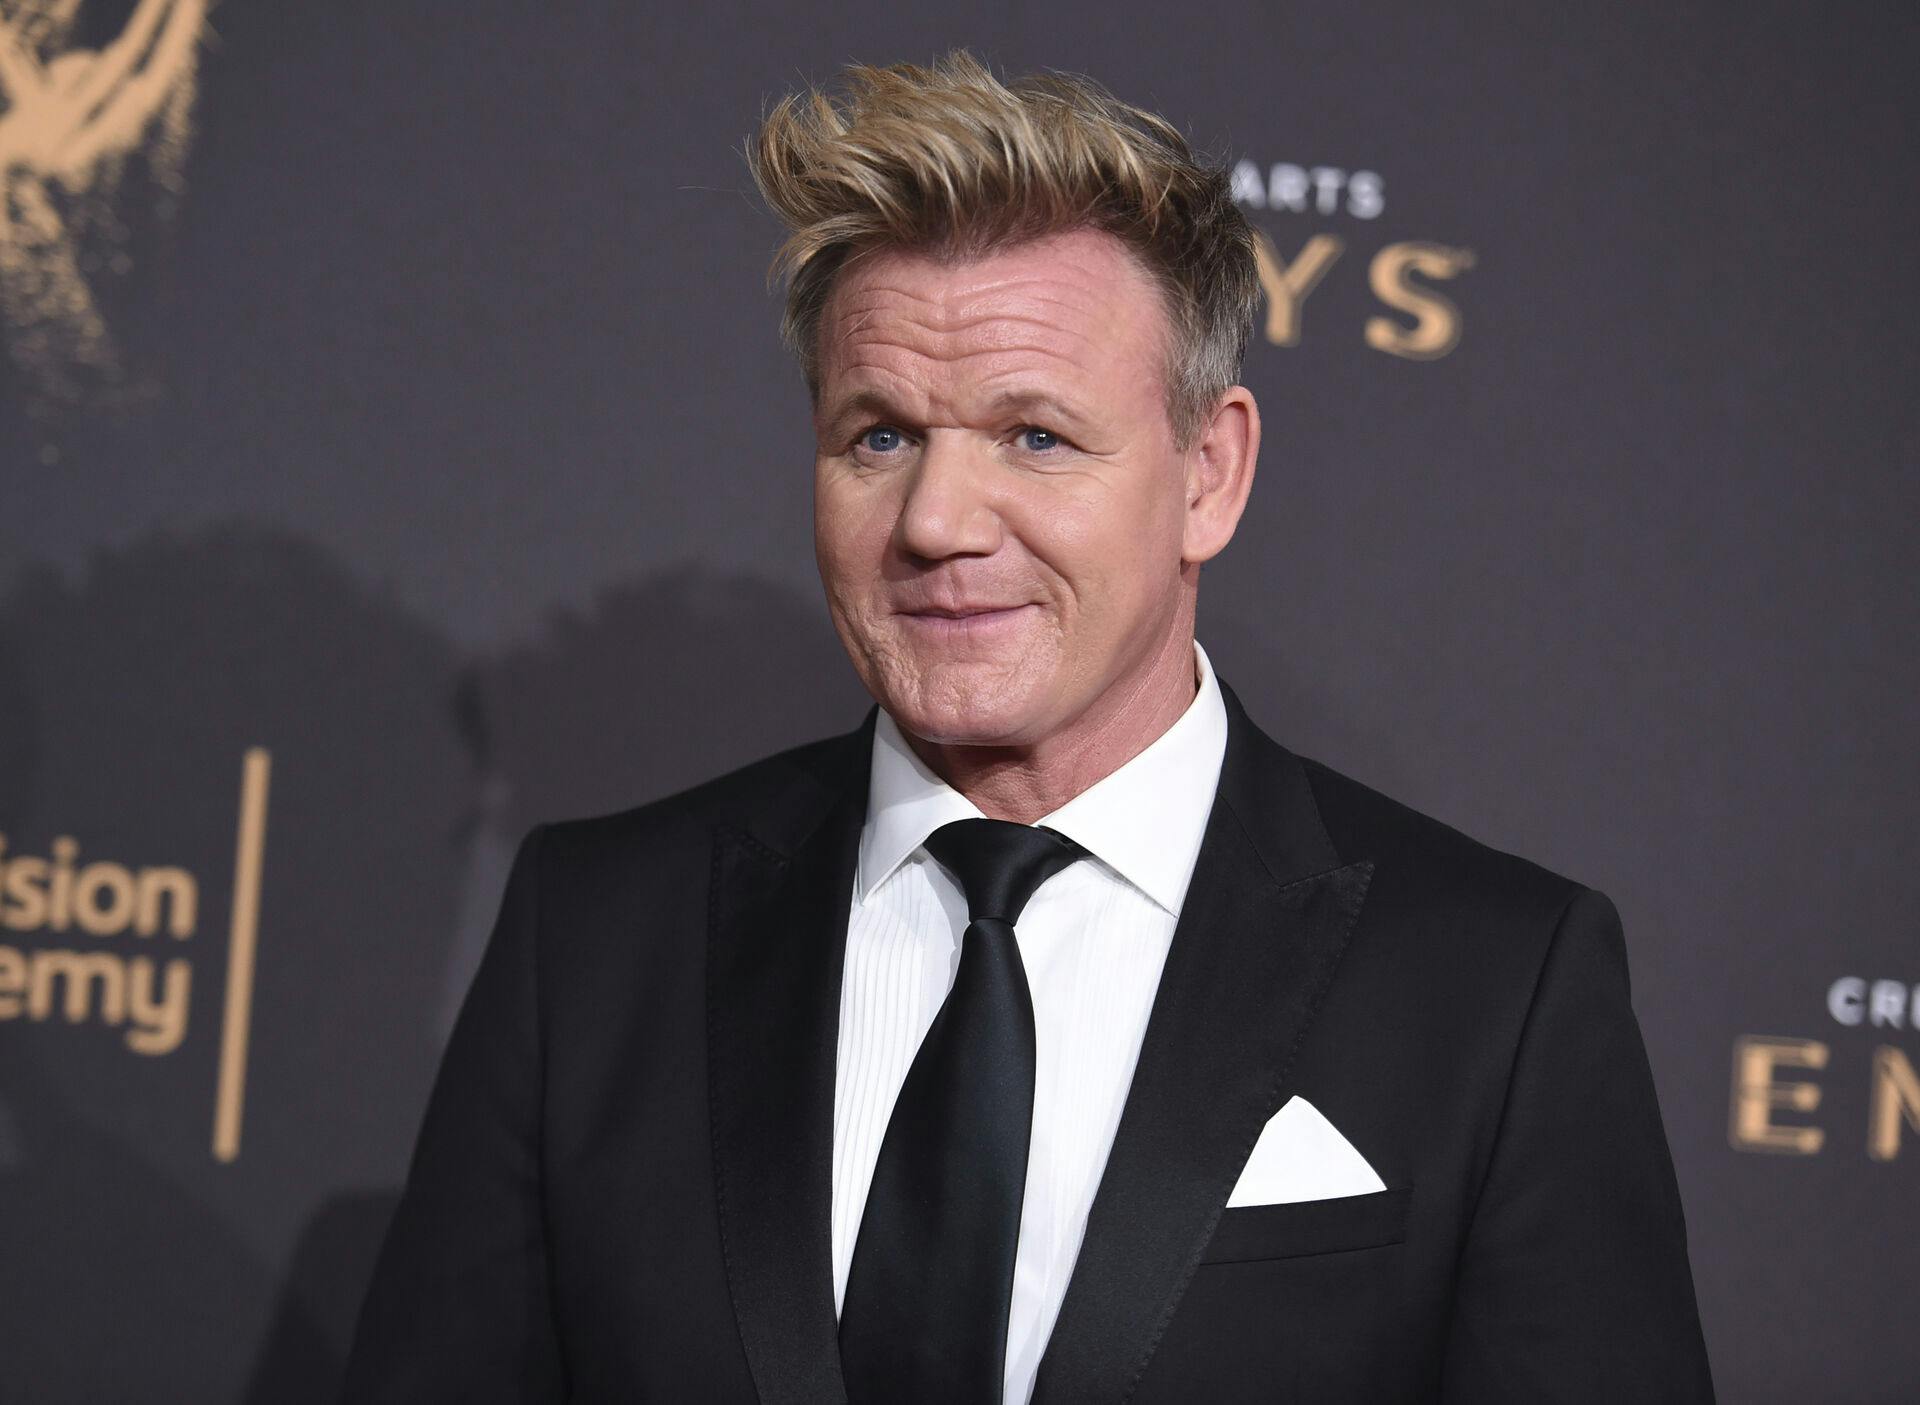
(1031, 403)
(859, 405)
(1039, 405)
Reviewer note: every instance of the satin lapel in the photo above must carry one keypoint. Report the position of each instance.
(777, 937)
(1265, 922)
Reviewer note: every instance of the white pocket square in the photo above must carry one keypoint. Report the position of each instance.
(1301, 1157)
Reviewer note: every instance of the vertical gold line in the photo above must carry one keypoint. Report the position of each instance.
(248, 858)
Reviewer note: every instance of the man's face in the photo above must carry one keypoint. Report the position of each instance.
(998, 502)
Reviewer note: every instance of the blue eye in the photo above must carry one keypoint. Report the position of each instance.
(1038, 440)
(881, 439)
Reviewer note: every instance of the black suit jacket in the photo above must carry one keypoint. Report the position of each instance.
(621, 1189)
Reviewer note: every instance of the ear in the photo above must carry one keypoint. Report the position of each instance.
(1220, 474)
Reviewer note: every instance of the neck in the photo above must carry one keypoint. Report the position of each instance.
(1024, 783)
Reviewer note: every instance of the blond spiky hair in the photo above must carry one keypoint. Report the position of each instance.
(950, 161)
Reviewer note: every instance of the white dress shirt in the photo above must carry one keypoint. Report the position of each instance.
(1093, 940)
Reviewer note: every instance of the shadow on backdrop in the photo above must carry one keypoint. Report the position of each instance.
(112, 1277)
(660, 683)
(144, 680)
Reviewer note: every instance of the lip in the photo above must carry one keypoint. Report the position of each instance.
(964, 619)
(961, 612)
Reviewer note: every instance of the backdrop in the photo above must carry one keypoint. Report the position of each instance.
(397, 450)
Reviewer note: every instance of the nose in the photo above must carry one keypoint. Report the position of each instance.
(949, 509)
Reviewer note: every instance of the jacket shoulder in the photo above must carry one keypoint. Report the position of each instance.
(1421, 861)
(801, 777)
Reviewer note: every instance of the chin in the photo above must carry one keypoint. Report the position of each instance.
(946, 728)
(998, 711)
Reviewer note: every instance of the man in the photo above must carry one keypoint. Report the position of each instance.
(1057, 1034)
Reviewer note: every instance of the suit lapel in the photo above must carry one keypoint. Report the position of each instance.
(776, 942)
(1265, 921)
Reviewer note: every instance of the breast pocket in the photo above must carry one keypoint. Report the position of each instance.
(1252, 1232)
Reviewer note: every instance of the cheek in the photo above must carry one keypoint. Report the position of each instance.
(1109, 547)
(852, 524)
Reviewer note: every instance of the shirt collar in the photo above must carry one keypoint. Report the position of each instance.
(1144, 821)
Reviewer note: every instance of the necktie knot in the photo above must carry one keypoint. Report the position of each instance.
(1000, 865)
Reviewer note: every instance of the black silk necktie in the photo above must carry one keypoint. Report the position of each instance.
(925, 1313)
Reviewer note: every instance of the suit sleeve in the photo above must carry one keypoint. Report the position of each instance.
(459, 1308)
(1573, 1283)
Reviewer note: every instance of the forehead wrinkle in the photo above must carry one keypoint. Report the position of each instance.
(855, 291)
(1079, 323)
(942, 372)
(1100, 269)
(990, 325)
(949, 377)
(870, 379)
(865, 303)
(946, 320)
(951, 307)
(1048, 293)
(1035, 335)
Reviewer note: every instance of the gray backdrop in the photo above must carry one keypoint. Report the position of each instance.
(394, 389)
